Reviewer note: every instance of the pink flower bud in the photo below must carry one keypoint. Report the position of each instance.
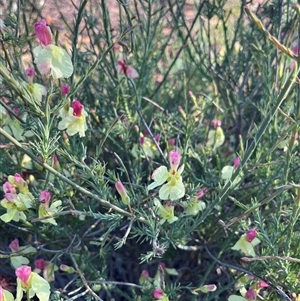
(146, 132)
(201, 193)
(121, 189)
(162, 265)
(45, 196)
(172, 141)
(157, 137)
(123, 193)
(14, 246)
(208, 288)
(43, 32)
(174, 158)
(158, 293)
(18, 179)
(262, 284)
(216, 123)
(250, 234)
(16, 111)
(9, 188)
(40, 263)
(251, 294)
(30, 72)
(191, 93)
(18, 182)
(211, 287)
(11, 197)
(236, 162)
(77, 108)
(142, 140)
(67, 269)
(55, 163)
(23, 273)
(65, 89)
(145, 274)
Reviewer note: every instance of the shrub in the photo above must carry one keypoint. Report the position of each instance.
(143, 156)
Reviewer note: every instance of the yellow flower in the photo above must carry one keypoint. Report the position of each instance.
(215, 138)
(46, 210)
(174, 188)
(75, 120)
(247, 242)
(194, 206)
(165, 212)
(32, 284)
(15, 205)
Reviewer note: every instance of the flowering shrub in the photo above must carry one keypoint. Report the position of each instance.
(169, 134)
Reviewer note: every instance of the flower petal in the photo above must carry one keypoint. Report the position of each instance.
(172, 192)
(159, 176)
(131, 72)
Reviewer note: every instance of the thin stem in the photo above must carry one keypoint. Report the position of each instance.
(89, 290)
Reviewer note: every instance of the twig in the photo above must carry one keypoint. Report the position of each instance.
(278, 45)
(78, 296)
(116, 283)
(127, 232)
(240, 269)
(288, 258)
(189, 248)
(154, 103)
(151, 135)
(88, 289)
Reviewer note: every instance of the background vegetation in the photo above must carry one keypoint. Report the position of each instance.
(198, 62)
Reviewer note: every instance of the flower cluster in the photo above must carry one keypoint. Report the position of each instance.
(251, 292)
(147, 282)
(17, 199)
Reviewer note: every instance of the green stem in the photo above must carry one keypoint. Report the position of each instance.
(294, 219)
